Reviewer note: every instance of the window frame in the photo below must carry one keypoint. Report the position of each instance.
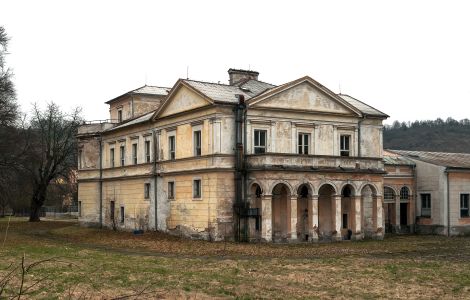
(390, 192)
(197, 142)
(257, 147)
(147, 188)
(171, 147)
(80, 162)
(79, 208)
(119, 115)
(343, 150)
(147, 151)
(111, 157)
(122, 215)
(112, 207)
(197, 188)
(171, 191)
(402, 194)
(426, 210)
(303, 147)
(122, 155)
(464, 197)
(134, 153)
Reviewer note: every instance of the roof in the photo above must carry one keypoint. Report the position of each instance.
(450, 160)
(364, 108)
(144, 90)
(138, 120)
(227, 93)
(397, 160)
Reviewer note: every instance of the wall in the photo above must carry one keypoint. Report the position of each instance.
(459, 182)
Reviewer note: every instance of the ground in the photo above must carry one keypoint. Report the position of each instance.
(83, 263)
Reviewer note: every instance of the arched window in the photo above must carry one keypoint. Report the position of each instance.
(258, 192)
(389, 194)
(404, 193)
(346, 192)
(304, 191)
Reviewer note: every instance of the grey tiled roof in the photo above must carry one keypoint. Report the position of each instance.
(451, 160)
(227, 93)
(147, 90)
(397, 160)
(137, 120)
(364, 108)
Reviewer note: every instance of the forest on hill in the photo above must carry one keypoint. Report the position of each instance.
(430, 135)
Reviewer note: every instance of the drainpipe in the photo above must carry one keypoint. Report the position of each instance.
(239, 203)
(154, 172)
(415, 194)
(448, 202)
(359, 135)
(101, 181)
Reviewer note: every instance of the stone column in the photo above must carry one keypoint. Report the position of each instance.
(397, 213)
(313, 222)
(293, 217)
(357, 218)
(337, 217)
(266, 218)
(380, 217)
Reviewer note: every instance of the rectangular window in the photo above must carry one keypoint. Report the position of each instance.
(171, 190)
(171, 147)
(111, 210)
(303, 143)
(147, 190)
(134, 154)
(425, 205)
(111, 157)
(122, 154)
(122, 214)
(79, 208)
(260, 141)
(197, 143)
(345, 221)
(464, 208)
(147, 151)
(345, 148)
(80, 153)
(119, 116)
(197, 188)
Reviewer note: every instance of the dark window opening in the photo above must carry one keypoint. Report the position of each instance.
(304, 191)
(171, 190)
(197, 143)
(171, 147)
(147, 151)
(147, 191)
(345, 221)
(122, 154)
(197, 188)
(346, 192)
(426, 205)
(122, 214)
(134, 154)
(111, 211)
(404, 193)
(464, 205)
(119, 116)
(258, 192)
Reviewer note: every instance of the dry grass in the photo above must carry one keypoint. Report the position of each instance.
(106, 264)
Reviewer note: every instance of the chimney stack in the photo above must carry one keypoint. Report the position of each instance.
(236, 75)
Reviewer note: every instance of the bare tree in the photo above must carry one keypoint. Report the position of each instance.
(53, 150)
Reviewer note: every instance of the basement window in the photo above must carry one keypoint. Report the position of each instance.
(464, 205)
(345, 145)
(260, 141)
(122, 214)
(147, 190)
(426, 205)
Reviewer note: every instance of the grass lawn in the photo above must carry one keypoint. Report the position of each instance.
(90, 263)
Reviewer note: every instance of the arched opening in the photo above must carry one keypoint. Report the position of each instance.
(304, 193)
(389, 209)
(280, 212)
(255, 204)
(404, 207)
(326, 210)
(369, 210)
(347, 211)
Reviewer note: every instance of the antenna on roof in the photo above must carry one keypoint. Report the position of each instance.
(187, 72)
(145, 78)
(339, 84)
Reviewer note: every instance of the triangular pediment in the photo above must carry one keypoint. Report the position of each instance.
(181, 98)
(304, 94)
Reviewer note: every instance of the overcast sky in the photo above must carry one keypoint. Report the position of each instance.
(409, 59)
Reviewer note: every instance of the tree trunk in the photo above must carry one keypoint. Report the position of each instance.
(37, 201)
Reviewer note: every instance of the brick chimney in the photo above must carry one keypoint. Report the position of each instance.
(236, 75)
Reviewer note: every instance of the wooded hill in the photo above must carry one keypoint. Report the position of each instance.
(431, 135)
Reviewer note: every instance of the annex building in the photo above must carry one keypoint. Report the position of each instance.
(248, 160)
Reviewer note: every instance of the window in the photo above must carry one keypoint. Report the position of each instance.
(404, 193)
(197, 188)
(197, 143)
(111, 210)
(171, 190)
(171, 147)
(147, 151)
(134, 154)
(111, 157)
(303, 142)
(425, 205)
(389, 195)
(260, 141)
(122, 153)
(345, 221)
(345, 145)
(147, 190)
(122, 214)
(119, 116)
(464, 211)
(79, 208)
(80, 159)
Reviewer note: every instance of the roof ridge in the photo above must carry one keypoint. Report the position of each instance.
(200, 81)
(434, 152)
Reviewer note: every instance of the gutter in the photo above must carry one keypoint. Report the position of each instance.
(154, 172)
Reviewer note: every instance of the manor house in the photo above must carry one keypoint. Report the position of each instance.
(247, 160)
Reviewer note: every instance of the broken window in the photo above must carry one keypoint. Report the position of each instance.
(171, 147)
(345, 147)
(303, 142)
(426, 205)
(171, 190)
(197, 143)
(134, 154)
(464, 208)
(404, 193)
(147, 190)
(260, 141)
(122, 154)
(197, 188)
(147, 151)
